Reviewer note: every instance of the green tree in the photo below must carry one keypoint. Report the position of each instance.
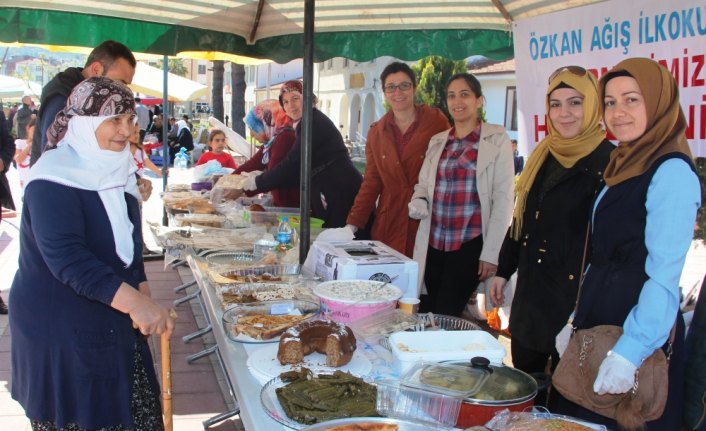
(432, 73)
(175, 66)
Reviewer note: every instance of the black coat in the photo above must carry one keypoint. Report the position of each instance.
(550, 251)
(7, 153)
(333, 175)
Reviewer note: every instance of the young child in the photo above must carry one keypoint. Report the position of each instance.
(217, 145)
(22, 150)
(138, 154)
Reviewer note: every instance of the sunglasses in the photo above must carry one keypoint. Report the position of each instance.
(575, 70)
(404, 86)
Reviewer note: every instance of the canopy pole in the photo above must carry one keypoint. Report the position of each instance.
(165, 130)
(305, 186)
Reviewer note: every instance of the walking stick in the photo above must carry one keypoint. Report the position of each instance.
(167, 380)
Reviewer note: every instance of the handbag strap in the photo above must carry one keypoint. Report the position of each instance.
(583, 269)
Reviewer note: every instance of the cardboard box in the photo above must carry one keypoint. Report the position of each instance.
(365, 260)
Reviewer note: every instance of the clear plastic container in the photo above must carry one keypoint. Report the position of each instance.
(418, 405)
(383, 323)
(448, 379)
(432, 346)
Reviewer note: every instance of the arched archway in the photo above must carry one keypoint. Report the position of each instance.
(354, 122)
(368, 114)
(343, 115)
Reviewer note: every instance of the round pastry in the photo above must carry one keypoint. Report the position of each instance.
(256, 208)
(327, 337)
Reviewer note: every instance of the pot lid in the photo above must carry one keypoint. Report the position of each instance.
(503, 383)
(460, 381)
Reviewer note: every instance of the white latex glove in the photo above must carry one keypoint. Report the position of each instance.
(249, 184)
(616, 375)
(353, 229)
(418, 209)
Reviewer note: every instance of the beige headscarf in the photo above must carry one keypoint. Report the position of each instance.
(566, 151)
(665, 121)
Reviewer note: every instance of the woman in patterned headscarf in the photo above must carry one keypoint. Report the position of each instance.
(81, 305)
(643, 224)
(270, 126)
(546, 240)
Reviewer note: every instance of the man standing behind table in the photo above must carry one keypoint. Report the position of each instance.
(22, 117)
(110, 59)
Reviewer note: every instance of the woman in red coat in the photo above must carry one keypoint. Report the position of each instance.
(394, 153)
(272, 127)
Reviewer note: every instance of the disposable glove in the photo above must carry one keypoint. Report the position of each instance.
(249, 184)
(353, 229)
(418, 209)
(616, 375)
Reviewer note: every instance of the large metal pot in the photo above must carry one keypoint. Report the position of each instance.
(505, 388)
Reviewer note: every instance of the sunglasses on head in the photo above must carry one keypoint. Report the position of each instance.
(575, 70)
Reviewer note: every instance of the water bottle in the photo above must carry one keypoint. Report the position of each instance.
(284, 234)
(181, 160)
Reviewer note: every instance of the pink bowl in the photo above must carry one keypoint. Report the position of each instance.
(339, 305)
(346, 313)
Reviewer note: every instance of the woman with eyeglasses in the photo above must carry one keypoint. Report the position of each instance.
(273, 129)
(643, 224)
(394, 153)
(334, 179)
(464, 201)
(545, 243)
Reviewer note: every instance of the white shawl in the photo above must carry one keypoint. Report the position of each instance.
(79, 162)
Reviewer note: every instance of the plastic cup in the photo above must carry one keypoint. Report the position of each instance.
(409, 305)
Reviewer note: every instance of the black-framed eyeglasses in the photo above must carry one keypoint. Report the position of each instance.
(576, 70)
(403, 86)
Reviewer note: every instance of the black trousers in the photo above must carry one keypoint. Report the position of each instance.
(533, 362)
(451, 277)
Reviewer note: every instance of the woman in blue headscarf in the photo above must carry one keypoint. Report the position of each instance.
(272, 127)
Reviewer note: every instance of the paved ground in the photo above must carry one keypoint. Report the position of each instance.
(198, 389)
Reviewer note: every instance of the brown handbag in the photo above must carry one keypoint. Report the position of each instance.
(578, 368)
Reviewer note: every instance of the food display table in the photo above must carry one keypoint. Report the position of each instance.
(233, 357)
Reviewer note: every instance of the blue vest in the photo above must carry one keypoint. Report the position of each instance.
(618, 253)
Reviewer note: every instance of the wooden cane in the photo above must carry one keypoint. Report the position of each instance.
(167, 380)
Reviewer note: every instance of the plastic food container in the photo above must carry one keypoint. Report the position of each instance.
(429, 409)
(263, 246)
(349, 300)
(410, 347)
(266, 308)
(230, 258)
(210, 220)
(383, 324)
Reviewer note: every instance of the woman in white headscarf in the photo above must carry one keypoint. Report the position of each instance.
(81, 303)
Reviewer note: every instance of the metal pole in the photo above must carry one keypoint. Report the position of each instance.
(165, 130)
(305, 187)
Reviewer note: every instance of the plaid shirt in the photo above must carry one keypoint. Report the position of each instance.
(455, 216)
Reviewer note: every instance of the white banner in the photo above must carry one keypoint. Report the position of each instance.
(599, 36)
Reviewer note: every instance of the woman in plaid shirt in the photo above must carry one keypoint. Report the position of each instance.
(464, 200)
